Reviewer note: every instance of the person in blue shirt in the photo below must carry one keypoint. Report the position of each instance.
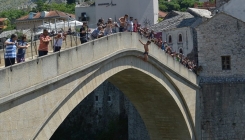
(164, 45)
(10, 52)
(97, 33)
(22, 46)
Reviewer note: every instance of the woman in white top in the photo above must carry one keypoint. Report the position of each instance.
(130, 25)
(58, 40)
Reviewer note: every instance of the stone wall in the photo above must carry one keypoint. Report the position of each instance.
(223, 111)
(105, 113)
(223, 35)
(221, 2)
(234, 8)
(136, 126)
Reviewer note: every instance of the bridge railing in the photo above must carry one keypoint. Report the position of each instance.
(22, 78)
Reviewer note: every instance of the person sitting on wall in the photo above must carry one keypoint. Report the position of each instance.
(123, 23)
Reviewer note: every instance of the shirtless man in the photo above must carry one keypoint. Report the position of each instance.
(123, 23)
(145, 58)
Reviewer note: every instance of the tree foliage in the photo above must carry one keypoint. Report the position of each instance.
(12, 15)
(177, 5)
(41, 6)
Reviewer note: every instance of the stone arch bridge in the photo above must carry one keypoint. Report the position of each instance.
(36, 96)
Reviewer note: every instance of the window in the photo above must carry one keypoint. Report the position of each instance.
(226, 62)
(109, 98)
(180, 37)
(181, 51)
(96, 98)
(169, 39)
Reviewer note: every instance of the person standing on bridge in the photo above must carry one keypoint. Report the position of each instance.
(146, 53)
(58, 39)
(123, 23)
(83, 33)
(10, 52)
(44, 41)
(22, 46)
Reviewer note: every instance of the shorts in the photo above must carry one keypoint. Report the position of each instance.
(146, 53)
(57, 48)
(20, 59)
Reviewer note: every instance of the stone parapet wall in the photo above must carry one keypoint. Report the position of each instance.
(56, 64)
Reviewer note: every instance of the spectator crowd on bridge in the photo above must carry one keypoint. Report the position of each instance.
(124, 24)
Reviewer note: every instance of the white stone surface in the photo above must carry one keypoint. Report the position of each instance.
(139, 9)
(36, 106)
(187, 39)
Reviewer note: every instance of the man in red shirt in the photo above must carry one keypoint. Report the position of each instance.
(44, 42)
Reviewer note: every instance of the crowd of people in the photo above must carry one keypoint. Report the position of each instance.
(124, 24)
(16, 49)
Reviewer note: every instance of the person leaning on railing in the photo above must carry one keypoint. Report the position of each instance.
(10, 52)
(97, 33)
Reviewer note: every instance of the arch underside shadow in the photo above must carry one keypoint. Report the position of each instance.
(159, 111)
(154, 96)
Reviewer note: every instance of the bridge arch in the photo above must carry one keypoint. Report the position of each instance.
(55, 84)
(152, 92)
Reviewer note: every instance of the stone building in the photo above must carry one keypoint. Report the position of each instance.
(234, 8)
(221, 49)
(221, 2)
(221, 46)
(178, 30)
(143, 10)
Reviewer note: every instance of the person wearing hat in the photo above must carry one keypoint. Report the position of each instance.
(58, 40)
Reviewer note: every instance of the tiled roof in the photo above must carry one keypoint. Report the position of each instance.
(162, 14)
(200, 12)
(179, 20)
(3, 19)
(49, 14)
